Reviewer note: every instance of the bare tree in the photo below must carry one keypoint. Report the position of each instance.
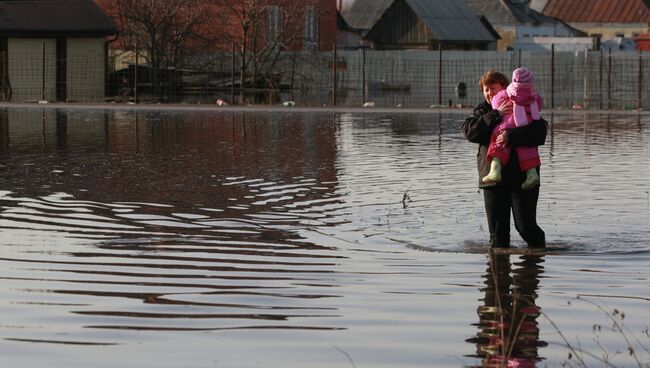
(167, 30)
(260, 30)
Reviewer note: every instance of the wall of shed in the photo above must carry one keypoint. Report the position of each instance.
(85, 69)
(400, 27)
(27, 68)
(508, 36)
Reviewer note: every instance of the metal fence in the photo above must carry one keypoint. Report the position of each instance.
(588, 80)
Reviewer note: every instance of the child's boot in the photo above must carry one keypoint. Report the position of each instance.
(494, 176)
(532, 179)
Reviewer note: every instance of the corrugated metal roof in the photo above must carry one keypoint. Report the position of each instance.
(450, 20)
(363, 14)
(495, 11)
(54, 17)
(505, 12)
(599, 11)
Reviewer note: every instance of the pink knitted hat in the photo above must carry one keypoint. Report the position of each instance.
(523, 75)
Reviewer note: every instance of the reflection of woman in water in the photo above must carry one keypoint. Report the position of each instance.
(508, 333)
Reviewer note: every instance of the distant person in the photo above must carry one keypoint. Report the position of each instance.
(526, 106)
(506, 195)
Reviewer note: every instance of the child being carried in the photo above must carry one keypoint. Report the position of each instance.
(526, 106)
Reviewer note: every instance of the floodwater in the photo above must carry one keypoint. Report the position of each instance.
(162, 238)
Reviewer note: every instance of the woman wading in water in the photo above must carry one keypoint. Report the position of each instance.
(506, 195)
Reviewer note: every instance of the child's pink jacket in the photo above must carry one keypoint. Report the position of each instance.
(528, 156)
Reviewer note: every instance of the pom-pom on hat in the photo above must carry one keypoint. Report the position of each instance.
(523, 75)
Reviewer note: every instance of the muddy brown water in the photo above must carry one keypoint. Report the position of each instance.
(311, 239)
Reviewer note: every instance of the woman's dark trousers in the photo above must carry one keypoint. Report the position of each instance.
(499, 201)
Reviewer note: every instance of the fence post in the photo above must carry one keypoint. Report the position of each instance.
(639, 81)
(439, 74)
(5, 88)
(600, 80)
(552, 76)
(135, 74)
(363, 75)
(609, 79)
(232, 73)
(334, 78)
(585, 97)
(43, 74)
(293, 73)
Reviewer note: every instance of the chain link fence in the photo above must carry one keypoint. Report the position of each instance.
(585, 80)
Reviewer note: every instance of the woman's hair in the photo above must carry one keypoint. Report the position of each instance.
(491, 77)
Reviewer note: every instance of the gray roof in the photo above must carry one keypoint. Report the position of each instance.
(54, 17)
(505, 12)
(449, 20)
(363, 14)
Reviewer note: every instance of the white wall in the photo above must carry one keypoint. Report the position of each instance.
(525, 31)
(26, 68)
(561, 44)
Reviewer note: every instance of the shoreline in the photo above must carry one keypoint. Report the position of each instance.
(275, 108)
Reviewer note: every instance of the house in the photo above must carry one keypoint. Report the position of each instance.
(312, 23)
(307, 25)
(419, 24)
(601, 18)
(616, 25)
(53, 50)
(516, 22)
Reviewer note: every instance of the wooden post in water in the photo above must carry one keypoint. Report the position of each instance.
(135, 75)
(552, 75)
(519, 59)
(334, 78)
(439, 73)
(609, 79)
(232, 73)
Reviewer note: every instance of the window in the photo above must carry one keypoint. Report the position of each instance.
(311, 30)
(275, 23)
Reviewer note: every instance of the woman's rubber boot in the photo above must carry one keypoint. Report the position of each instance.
(532, 179)
(494, 176)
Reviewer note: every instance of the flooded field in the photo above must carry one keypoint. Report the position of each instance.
(162, 238)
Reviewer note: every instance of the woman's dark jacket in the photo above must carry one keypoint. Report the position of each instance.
(478, 129)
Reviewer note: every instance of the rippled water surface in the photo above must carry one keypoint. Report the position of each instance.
(312, 239)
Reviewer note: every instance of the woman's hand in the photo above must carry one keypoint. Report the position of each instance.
(505, 108)
(502, 138)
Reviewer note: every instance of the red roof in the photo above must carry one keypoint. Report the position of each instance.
(599, 11)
